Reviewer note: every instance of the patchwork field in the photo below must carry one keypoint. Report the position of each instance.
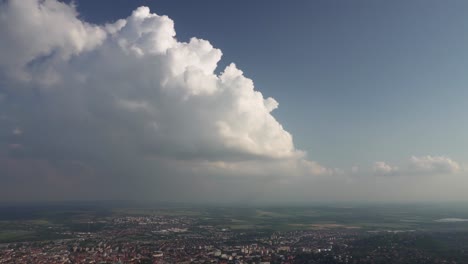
(39, 222)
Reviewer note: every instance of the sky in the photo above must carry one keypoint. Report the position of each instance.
(239, 102)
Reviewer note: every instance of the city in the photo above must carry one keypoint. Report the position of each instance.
(224, 235)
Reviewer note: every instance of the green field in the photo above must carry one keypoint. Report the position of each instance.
(46, 222)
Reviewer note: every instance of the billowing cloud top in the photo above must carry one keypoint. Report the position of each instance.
(131, 81)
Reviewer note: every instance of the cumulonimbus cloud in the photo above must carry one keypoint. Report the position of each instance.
(130, 87)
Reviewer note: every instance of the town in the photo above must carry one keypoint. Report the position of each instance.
(186, 239)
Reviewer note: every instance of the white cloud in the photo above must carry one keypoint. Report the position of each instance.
(132, 87)
(382, 168)
(32, 30)
(423, 165)
(434, 164)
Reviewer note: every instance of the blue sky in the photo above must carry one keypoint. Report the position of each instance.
(356, 81)
(98, 100)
